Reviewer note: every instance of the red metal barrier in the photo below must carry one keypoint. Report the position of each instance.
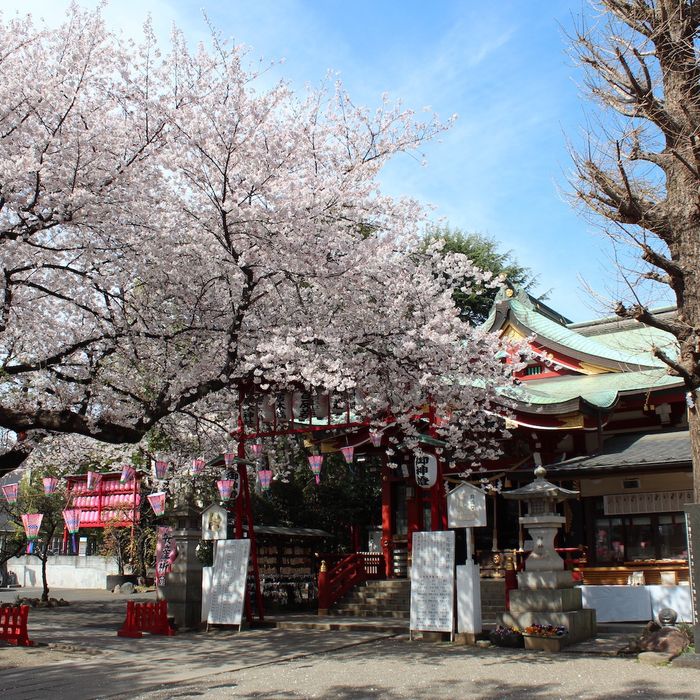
(146, 617)
(13, 625)
(348, 573)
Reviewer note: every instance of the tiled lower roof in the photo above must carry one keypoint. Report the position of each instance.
(632, 451)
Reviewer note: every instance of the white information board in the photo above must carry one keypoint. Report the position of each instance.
(432, 581)
(229, 582)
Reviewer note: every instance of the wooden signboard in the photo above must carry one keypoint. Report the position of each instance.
(229, 582)
(466, 507)
(432, 581)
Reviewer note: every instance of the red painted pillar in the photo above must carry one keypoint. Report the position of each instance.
(387, 534)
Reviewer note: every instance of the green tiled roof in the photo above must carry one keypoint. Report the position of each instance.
(622, 351)
(600, 390)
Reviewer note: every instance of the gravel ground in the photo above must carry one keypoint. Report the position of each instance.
(401, 669)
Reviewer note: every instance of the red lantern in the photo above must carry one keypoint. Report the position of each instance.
(32, 524)
(71, 517)
(265, 476)
(93, 480)
(348, 453)
(315, 461)
(157, 501)
(198, 466)
(128, 473)
(10, 492)
(50, 484)
(227, 487)
(160, 468)
(257, 448)
(229, 459)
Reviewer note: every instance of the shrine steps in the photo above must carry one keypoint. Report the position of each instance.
(384, 599)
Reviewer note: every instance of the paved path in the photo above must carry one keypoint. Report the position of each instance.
(84, 659)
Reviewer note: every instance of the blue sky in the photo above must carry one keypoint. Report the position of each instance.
(502, 67)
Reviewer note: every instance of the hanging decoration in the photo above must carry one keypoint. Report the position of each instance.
(198, 466)
(93, 480)
(375, 437)
(227, 489)
(265, 477)
(10, 492)
(315, 462)
(160, 468)
(128, 473)
(71, 517)
(229, 458)
(50, 484)
(256, 448)
(32, 524)
(157, 501)
(348, 453)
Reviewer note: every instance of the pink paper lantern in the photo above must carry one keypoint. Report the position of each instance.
(32, 524)
(93, 480)
(160, 467)
(226, 488)
(315, 462)
(50, 484)
(198, 466)
(348, 453)
(10, 492)
(257, 448)
(265, 476)
(375, 437)
(157, 501)
(229, 459)
(71, 517)
(128, 473)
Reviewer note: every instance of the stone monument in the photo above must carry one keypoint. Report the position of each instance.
(546, 592)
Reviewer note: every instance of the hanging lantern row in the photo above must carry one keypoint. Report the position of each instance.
(160, 469)
(32, 524)
(157, 501)
(348, 453)
(71, 517)
(128, 473)
(315, 462)
(10, 492)
(257, 448)
(265, 477)
(50, 484)
(93, 480)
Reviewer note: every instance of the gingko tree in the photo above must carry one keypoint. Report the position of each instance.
(173, 230)
(640, 174)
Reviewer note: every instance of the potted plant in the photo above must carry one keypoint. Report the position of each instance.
(505, 636)
(546, 637)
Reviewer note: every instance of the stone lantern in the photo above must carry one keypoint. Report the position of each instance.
(546, 592)
(544, 568)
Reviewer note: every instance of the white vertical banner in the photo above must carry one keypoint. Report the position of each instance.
(229, 582)
(432, 581)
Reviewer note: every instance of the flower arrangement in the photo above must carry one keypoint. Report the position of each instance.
(505, 636)
(546, 631)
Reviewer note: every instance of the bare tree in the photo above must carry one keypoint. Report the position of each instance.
(642, 175)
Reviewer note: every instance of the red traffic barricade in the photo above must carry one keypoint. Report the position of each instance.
(13, 625)
(146, 617)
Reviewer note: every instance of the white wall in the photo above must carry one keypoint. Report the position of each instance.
(64, 571)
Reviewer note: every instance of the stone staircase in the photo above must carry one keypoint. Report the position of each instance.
(390, 598)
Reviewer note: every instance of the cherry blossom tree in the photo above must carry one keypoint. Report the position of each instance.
(172, 231)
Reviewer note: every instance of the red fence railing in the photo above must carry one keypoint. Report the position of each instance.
(351, 571)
